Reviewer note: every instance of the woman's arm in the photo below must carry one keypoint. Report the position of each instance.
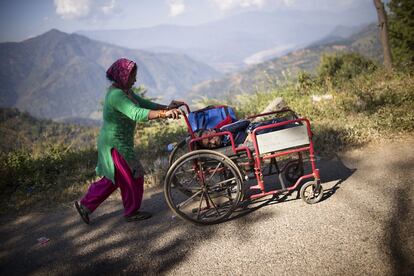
(157, 110)
(156, 106)
(147, 103)
(122, 103)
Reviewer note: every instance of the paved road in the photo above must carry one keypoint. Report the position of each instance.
(363, 226)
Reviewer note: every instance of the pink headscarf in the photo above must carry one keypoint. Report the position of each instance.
(119, 71)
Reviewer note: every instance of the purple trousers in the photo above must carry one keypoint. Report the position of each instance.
(132, 189)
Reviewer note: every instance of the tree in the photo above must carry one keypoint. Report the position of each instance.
(401, 25)
(383, 26)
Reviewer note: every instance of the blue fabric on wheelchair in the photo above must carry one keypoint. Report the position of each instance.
(235, 127)
(238, 130)
(210, 118)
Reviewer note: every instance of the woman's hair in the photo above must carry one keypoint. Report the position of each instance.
(135, 68)
(109, 77)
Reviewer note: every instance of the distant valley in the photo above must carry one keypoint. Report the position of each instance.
(267, 74)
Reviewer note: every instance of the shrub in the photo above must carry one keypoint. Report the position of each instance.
(305, 80)
(25, 177)
(341, 67)
(401, 24)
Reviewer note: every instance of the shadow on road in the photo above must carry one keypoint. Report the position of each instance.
(399, 236)
(332, 170)
(109, 245)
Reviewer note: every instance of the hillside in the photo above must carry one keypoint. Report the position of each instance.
(58, 75)
(20, 131)
(266, 75)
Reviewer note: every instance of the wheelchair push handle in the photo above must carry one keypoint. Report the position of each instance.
(178, 104)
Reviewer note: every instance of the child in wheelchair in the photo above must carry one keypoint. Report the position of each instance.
(240, 131)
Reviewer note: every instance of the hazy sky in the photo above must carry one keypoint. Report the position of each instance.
(22, 19)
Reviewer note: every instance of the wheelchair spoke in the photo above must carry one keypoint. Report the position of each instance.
(224, 181)
(188, 200)
(199, 206)
(214, 172)
(182, 171)
(214, 205)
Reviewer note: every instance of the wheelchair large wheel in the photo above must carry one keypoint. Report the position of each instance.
(179, 150)
(203, 187)
(293, 171)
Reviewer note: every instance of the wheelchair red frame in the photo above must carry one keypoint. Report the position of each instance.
(311, 191)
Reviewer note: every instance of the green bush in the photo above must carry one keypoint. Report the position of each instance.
(25, 177)
(304, 81)
(401, 25)
(341, 67)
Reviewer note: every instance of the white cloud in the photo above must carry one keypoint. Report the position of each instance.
(73, 9)
(109, 8)
(317, 3)
(232, 4)
(69, 9)
(226, 5)
(177, 7)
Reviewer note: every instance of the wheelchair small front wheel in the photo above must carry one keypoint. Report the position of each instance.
(311, 192)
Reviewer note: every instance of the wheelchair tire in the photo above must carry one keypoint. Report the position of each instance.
(179, 150)
(293, 171)
(203, 187)
(311, 192)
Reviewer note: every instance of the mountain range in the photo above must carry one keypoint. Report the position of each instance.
(232, 43)
(267, 74)
(58, 75)
(61, 76)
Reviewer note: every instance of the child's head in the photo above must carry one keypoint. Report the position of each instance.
(210, 142)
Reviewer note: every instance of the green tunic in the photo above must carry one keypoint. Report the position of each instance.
(120, 115)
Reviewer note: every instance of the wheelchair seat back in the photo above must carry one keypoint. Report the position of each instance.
(211, 117)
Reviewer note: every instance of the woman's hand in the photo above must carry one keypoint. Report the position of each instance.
(175, 104)
(173, 113)
(164, 114)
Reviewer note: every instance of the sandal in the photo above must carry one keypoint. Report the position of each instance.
(82, 212)
(138, 215)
